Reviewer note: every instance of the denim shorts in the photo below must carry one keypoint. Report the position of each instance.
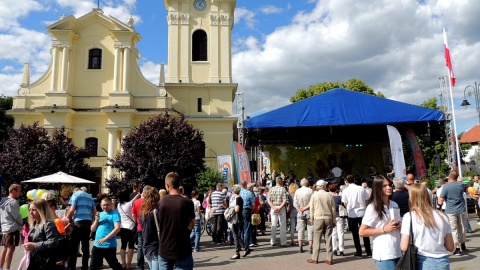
(427, 263)
(387, 264)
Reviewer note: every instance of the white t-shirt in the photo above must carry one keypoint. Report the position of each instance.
(196, 205)
(439, 191)
(385, 246)
(355, 197)
(429, 241)
(125, 211)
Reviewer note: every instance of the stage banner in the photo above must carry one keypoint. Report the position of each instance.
(266, 161)
(417, 155)
(242, 164)
(397, 152)
(225, 168)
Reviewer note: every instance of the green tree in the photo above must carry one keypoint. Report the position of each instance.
(208, 179)
(352, 84)
(160, 145)
(29, 153)
(6, 121)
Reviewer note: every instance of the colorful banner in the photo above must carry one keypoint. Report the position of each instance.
(225, 168)
(242, 164)
(417, 155)
(396, 148)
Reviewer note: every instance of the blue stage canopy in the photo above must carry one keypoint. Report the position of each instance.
(342, 107)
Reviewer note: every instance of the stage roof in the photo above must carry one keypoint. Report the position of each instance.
(342, 107)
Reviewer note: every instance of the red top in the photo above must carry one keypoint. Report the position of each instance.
(257, 204)
(136, 208)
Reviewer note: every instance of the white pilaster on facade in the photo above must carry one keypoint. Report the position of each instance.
(185, 53)
(112, 148)
(126, 73)
(54, 69)
(124, 133)
(63, 79)
(116, 69)
(214, 54)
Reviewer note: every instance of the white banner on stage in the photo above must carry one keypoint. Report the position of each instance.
(397, 152)
(266, 161)
(225, 168)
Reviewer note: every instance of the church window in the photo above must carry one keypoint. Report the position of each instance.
(199, 46)
(91, 145)
(95, 59)
(199, 104)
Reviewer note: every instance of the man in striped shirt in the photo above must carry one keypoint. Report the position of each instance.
(218, 205)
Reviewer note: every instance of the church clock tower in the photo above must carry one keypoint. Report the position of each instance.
(199, 36)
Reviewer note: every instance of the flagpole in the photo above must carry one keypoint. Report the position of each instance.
(457, 146)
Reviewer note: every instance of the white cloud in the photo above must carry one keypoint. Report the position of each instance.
(151, 71)
(271, 9)
(246, 15)
(12, 10)
(120, 11)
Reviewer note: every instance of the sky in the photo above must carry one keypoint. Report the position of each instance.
(281, 46)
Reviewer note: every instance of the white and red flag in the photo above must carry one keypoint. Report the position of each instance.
(448, 60)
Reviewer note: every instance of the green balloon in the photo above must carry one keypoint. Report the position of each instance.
(24, 210)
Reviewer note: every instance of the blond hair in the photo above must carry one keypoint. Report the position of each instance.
(162, 192)
(421, 204)
(292, 188)
(44, 212)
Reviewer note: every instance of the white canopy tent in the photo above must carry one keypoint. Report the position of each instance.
(59, 178)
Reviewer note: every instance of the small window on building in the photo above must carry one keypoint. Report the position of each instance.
(199, 104)
(202, 149)
(95, 59)
(199, 46)
(91, 144)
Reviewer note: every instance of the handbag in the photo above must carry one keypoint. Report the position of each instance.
(256, 219)
(408, 261)
(230, 214)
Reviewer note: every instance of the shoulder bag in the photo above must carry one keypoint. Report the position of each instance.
(408, 261)
(156, 224)
(230, 214)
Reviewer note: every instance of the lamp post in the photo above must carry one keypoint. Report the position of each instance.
(475, 89)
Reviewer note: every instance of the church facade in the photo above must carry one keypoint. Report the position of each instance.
(94, 86)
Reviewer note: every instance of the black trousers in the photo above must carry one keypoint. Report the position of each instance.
(109, 254)
(217, 230)
(354, 226)
(80, 234)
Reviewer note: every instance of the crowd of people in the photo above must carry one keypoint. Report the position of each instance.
(166, 225)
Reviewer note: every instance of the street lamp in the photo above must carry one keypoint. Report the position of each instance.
(476, 91)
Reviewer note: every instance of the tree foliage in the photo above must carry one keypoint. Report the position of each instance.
(352, 84)
(160, 145)
(6, 121)
(29, 153)
(208, 179)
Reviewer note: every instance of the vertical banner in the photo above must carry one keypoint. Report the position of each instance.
(266, 161)
(417, 155)
(241, 162)
(397, 152)
(225, 168)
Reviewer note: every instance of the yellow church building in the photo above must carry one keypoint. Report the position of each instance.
(94, 86)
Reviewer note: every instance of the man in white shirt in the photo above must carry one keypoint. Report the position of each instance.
(301, 201)
(355, 199)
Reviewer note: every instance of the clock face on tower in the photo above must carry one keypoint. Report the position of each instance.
(200, 5)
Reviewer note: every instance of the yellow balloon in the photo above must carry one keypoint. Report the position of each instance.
(471, 191)
(29, 195)
(40, 193)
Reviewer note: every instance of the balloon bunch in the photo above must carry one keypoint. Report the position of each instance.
(37, 193)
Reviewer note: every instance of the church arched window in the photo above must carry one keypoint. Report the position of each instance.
(199, 46)
(95, 59)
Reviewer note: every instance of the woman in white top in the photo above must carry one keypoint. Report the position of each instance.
(197, 230)
(379, 222)
(127, 226)
(432, 234)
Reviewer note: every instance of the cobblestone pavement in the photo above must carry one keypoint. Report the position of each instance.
(267, 257)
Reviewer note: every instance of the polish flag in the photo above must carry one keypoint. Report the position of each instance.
(448, 60)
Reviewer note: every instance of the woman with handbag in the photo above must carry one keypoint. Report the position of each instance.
(236, 223)
(292, 212)
(42, 237)
(432, 234)
(380, 222)
(150, 233)
(128, 231)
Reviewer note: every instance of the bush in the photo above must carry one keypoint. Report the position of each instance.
(208, 179)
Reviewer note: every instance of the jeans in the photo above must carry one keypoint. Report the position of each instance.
(467, 224)
(181, 264)
(153, 262)
(293, 226)
(354, 226)
(387, 264)
(109, 254)
(247, 223)
(80, 234)
(217, 230)
(195, 234)
(140, 257)
(427, 263)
